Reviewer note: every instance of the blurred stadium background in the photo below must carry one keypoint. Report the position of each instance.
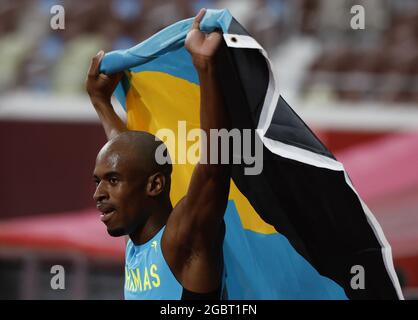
(358, 89)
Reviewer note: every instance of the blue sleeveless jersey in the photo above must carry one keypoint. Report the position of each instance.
(147, 274)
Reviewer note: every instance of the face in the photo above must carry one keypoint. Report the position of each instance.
(120, 192)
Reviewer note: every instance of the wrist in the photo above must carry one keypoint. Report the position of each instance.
(203, 63)
(99, 101)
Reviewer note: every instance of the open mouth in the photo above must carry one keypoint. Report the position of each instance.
(106, 216)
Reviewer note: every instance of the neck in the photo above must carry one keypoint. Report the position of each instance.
(157, 219)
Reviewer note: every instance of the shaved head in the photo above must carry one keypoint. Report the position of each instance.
(137, 149)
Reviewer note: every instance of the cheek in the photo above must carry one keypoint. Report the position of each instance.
(130, 201)
(128, 195)
(134, 205)
(119, 198)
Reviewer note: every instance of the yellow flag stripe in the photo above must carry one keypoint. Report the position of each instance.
(158, 100)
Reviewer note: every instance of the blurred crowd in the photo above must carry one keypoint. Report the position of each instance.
(380, 62)
(33, 56)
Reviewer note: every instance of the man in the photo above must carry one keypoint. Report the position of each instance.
(172, 253)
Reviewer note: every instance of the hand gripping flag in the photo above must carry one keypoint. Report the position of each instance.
(296, 230)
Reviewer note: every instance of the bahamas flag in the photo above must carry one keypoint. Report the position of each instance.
(297, 230)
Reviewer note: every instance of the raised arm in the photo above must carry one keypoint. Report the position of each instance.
(206, 199)
(100, 88)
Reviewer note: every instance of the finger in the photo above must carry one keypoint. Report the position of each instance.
(214, 35)
(95, 64)
(94, 70)
(198, 19)
(114, 77)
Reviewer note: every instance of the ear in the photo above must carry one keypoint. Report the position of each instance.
(156, 184)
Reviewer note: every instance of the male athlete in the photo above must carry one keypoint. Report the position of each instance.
(172, 253)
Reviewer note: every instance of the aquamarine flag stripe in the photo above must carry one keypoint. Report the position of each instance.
(167, 40)
(163, 52)
(177, 63)
(266, 266)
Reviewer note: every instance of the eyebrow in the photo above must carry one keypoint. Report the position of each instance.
(108, 175)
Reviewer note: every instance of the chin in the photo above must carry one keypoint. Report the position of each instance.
(118, 232)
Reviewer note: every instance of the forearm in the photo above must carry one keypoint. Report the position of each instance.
(213, 112)
(111, 122)
(100, 88)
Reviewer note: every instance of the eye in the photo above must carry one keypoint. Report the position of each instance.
(113, 180)
(96, 182)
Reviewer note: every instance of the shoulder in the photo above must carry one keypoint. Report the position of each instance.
(183, 231)
(174, 236)
(183, 238)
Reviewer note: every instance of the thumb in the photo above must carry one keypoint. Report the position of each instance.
(198, 19)
(95, 64)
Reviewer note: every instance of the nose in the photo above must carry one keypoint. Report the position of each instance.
(100, 194)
